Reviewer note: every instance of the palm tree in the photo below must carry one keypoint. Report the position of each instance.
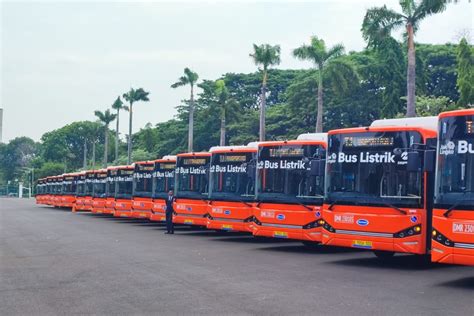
(189, 78)
(265, 55)
(118, 105)
(131, 97)
(226, 103)
(379, 22)
(106, 118)
(324, 60)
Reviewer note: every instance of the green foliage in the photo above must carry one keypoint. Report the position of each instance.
(137, 155)
(266, 55)
(432, 106)
(50, 169)
(16, 156)
(105, 117)
(465, 68)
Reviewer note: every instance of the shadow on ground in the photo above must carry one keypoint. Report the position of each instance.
(398, 262)
(462, 283)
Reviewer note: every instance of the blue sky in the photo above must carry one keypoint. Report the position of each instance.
(62, 60)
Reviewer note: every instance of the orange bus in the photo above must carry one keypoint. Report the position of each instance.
(40, 191)
(123, 191)
(232, 187)
(453, 215)
(375, 199)
(191, 188)
(142, 189)
(68, 191)
(99, 191)
(80, 192)
(47, 199)
(57, 187)
(163, 181)
(110, 184)
(290, 188)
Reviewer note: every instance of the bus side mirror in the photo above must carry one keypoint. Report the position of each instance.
(413, 163)
(317, 167)
(429, 161)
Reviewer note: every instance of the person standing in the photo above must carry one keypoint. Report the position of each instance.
(169, 213)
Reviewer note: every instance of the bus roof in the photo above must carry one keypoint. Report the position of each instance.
(428, 122)
(193, 154)
(226, 149)
(323, 137)
(457, 113)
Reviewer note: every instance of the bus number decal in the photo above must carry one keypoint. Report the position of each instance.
(463, 228)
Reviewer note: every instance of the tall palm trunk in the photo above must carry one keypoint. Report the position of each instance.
(319, 114)
(117, 135)
(222, 140)
(411, 74)
(106, 144)
(130, 134)
(191, 121)
(84, 160)
(263, 105)
(93, 155)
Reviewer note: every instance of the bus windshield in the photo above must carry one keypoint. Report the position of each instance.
(284, 174)
(124, 184)
(143, 183)
(110, 184)
(163, 179)
(69, 186)
(89, 187)
(230, 179)
(455, 176)
(192, 177)
(100, 185)
(81, 186)
(370, 168)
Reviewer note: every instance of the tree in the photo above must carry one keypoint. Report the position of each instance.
(465, 69)
(226, 105)
(118, 105)
(379, 22)
(190, 78)
(131, 97)
(325, 61)
(267, 56)
(106, 118)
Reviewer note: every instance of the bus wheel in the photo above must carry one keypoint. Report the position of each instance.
(384, 254)
(311, 244)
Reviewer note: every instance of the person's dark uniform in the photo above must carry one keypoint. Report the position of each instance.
(169, 213)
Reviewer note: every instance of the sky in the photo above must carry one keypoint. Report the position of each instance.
(62, 60)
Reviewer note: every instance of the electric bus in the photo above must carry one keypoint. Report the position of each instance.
(58, 183)
(99, 188)
(232, 187)
(68, 195)
(109, 207)
(290, 188)
(80, 192)
(40, 191)
(142, 189)
(48, 191)
(191, 188)
(453, 215)
(163, 182)
(123, 191)
(376, 198)
(90, 177)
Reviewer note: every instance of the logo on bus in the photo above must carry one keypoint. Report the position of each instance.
(280, 217)
(463, 147)
(362, 222)
(227, 212)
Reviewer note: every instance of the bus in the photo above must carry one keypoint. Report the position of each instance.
(109, 207)
(68, 191)
(190, 207)
(57, 190)
(80, 192)
(376, 198)
(163, 182)
(99, 191)
(90, 178)
(40, 191)
(290, 188)
(47, 199)
(232, 188)
(453, 214)
(142, 189)
(123, 191)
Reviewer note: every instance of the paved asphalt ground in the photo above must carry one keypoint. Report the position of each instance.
(55, 262)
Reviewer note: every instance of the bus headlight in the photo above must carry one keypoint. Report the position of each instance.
(440, 238)
(412, 231)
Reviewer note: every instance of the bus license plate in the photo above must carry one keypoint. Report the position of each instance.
(188, 221)
(362, 244)
(278, 234)
(227, 227)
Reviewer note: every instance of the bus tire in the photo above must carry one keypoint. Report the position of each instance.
(384, 254)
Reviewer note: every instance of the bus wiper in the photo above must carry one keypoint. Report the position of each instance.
(395, 208)
(332, 204)
(305, 206)
(452, 207)
(246, 203)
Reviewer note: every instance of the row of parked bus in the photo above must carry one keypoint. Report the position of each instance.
(399, 185)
